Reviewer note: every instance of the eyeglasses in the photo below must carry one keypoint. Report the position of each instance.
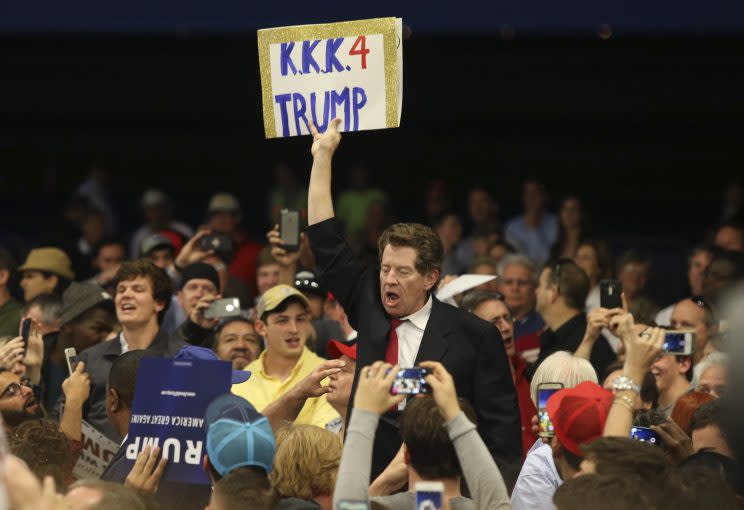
(15, 389)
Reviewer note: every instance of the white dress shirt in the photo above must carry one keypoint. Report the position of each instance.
(410, 334)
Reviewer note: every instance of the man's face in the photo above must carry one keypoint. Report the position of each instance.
(403, 289)
(450, 230)
(666, 369)
(688, 315)
(285, 332)
(545, 292)
(730, 238)
(710, 438)
(135, 303)
(34, 283)
(193, 291)
(713, 381)
(238, 343)
(496, 312)
(110, 257)
(698, 263)
(17, 401)
(518, 289)
(162, 257)
(91, 329)
(633, 277)
(340, 384)
(224, 222)
(570, 214)
(266, 277)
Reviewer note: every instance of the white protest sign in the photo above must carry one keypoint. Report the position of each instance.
(352, 70)
(98, 450)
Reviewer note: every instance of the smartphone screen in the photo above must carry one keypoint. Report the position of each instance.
(678, 342)
(351, 504)
(543, 394)
(289, 230)
(72, 359)
(644, 434)
(228, 307)
(429, 495)
(410, 381)
(610, 294)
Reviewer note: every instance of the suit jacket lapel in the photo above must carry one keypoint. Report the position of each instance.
(434, 343)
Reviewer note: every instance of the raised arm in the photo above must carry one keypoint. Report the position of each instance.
(319, 200)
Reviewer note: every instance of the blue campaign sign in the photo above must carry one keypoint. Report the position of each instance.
(170, 400)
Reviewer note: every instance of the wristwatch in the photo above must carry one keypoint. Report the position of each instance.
(625, 383)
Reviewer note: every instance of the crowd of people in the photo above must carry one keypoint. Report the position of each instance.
(312, 421)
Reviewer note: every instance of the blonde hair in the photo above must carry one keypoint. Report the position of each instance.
(562, 367)
(306, 461)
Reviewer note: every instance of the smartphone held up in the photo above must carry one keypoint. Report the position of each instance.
(544, 392)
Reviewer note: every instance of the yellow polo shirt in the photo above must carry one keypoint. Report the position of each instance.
(262, 389)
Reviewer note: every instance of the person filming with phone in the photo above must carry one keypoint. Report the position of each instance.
(399, 320)
(440, 443)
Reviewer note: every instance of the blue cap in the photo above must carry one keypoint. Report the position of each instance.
(238, 435)
(194, 352)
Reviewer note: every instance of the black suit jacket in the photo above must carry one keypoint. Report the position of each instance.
(471, 349)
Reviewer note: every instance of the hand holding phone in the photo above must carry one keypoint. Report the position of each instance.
(229, 307)
(544, 392)
(610, 294)
(25, 332)
(289, 229)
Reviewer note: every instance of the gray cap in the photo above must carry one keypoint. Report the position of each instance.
(78, 298)
(154, 241)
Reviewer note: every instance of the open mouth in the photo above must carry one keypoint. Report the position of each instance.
(31, 402)
(127, 307)
(293, 343)
(391, 299)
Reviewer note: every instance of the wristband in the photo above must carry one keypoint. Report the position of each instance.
(625, 383)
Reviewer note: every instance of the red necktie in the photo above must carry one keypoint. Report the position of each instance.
(391, 355)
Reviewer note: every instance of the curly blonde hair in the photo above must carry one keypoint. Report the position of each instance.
(306, 461)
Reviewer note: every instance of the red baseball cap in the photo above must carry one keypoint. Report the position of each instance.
(579, 414)
(337, 349)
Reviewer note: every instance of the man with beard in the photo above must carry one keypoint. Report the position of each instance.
(236, 341)
(17, 400)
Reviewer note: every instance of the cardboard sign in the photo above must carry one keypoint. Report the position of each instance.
(351, 70)
(96, 455)
(170, 400)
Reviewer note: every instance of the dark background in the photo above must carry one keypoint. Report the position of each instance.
(644, 125)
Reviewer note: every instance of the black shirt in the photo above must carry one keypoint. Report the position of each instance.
(568, 338)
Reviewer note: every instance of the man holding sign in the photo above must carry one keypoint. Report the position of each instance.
(400, 321)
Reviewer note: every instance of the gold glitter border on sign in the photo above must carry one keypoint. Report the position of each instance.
(384, 26)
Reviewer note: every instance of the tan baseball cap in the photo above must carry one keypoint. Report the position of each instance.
(275, 296)
(51, 260)
(224, 202)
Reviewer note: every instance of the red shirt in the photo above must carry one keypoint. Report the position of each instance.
(526, 407)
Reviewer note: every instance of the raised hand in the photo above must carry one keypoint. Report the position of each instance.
(325, 144)
(192, 251)
(443, 389)
(283, 257)
(373, 390)
(147, 471)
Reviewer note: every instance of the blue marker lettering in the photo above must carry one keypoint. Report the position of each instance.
(360, 99)
(286, 58)
(299, 110)
(313, 99)
(282, 99)
(307, 56)
(332, 46)
(341, 99)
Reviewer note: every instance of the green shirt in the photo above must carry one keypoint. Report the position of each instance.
(10, 318)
